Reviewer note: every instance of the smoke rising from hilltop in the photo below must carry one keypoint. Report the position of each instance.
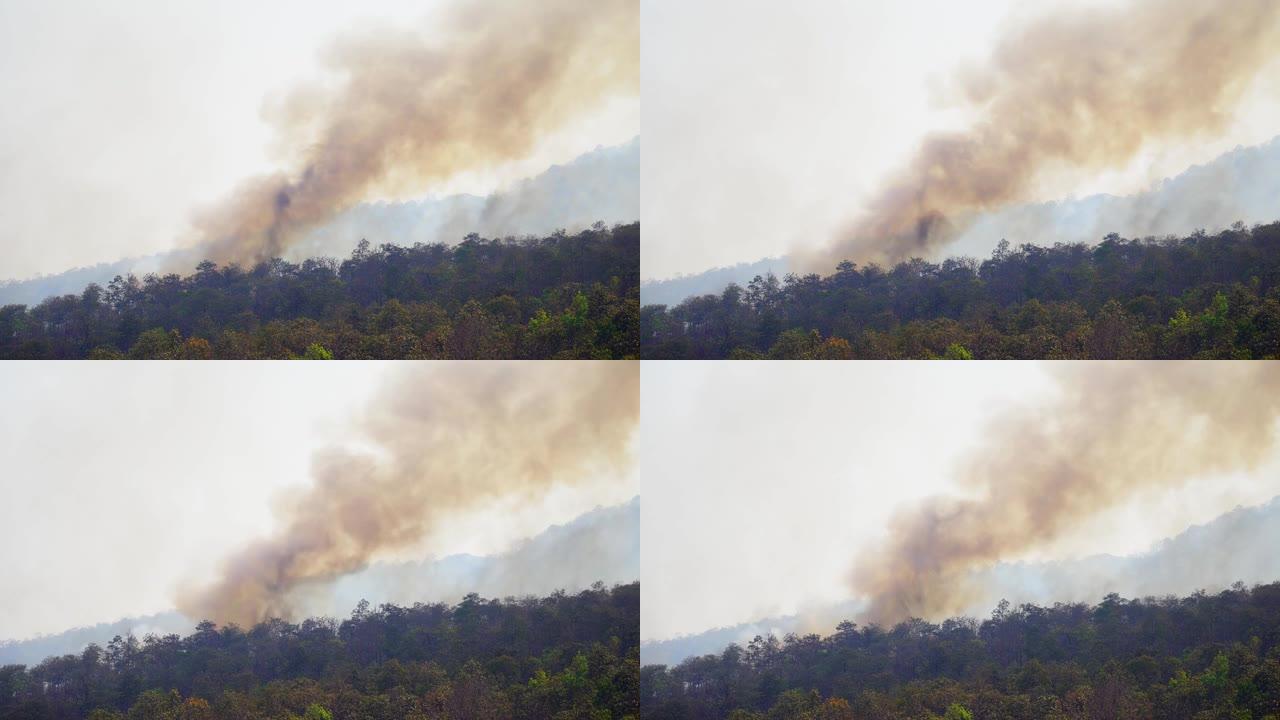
(411, 111)
(1083, 90)
(447, 439)
(1114, 430)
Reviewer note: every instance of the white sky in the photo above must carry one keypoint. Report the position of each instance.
(762, 480)
(768, 124)
(122, 480)
(121, 118)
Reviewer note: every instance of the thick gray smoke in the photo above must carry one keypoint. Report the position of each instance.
(447, 438)
(1085, 90)
(494, 79)
(1114, 430)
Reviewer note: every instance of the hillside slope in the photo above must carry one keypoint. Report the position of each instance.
(1242, 185)
(1235, 547)
(562, 296)
(1200, 296)
(600, 546)
(600, 186)
(567, 655)
(1202, 656)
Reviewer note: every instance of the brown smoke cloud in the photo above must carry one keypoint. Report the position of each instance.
(410, 111)
(447, 438)
(1084, 90)
(1114, 430)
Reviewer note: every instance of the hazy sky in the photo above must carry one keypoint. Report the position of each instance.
(122, 480)
(767, 124)
(122, 118)
(762, 480)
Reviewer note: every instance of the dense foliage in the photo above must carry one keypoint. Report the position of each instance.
(564, 656)
(1203, 657)
(564, 296)
(1201, 296)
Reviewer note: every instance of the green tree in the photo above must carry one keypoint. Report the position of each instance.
(316, 711)
(156, 344)
(105, 352)
(316, 351)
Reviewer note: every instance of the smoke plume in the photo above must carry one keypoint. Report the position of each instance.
(1085, 90)
(600, 546)
(1240, 186)
(1236, 547)
(446, 439)
(410, 111)
(600, 186)
(1114, 430)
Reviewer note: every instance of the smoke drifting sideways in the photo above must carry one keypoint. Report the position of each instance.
(600, 186)
(1084, 90)
(444, 439)
(1113, 430)
(490, 82)
(601, 546)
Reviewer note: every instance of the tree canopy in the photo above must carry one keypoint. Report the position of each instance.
(562, 296)
(1202, 656)
(562, 656)
(1201, 296)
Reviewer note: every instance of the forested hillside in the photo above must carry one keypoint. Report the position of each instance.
(563, 296)
(1203, 656)
(1202, 296)
(565, 656)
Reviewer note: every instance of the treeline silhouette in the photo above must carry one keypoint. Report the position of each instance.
(563, 296)
(563, 656)
(1203, 657)
(1202, 296)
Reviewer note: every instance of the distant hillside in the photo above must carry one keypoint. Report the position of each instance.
(1236, 547)
(600, 546)
(1240, 186)
(32, 291)
(673, 651)
(30, 652)
(600, 186)
(671, 292)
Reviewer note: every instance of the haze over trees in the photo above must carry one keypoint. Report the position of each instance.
(560, 296)
(1201, 656)
(562, 656)
(1201, 296)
